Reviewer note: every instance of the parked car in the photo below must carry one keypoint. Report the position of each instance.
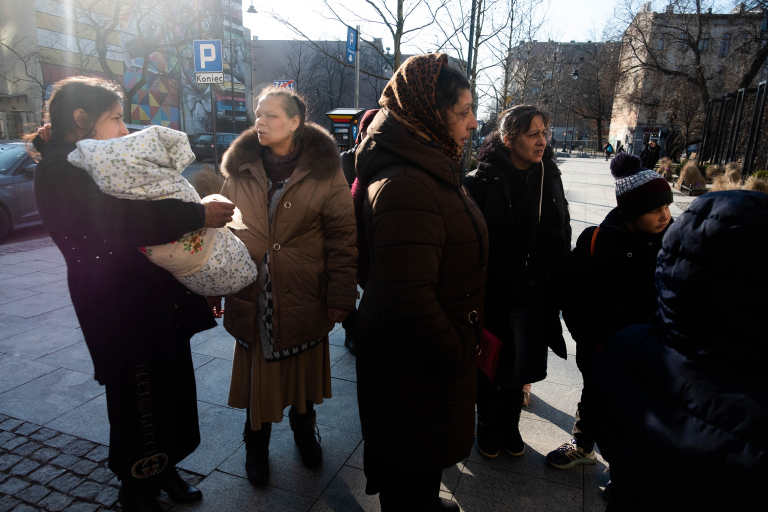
(202, 145)
(18, 208)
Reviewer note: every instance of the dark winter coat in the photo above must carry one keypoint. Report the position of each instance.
(649, 156)
(128, 307)
(415, 334)
(683, 402)
(509, 200)
(612, 289)
(348, 165)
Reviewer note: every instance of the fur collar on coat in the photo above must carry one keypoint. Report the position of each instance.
(319, 153)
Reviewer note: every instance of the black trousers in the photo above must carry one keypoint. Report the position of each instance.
(583, 431)
(152, 417)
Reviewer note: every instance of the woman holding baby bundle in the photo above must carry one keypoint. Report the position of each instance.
(137, 319)
(285, 176)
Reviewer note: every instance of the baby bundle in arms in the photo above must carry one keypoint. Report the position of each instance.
(147, 166)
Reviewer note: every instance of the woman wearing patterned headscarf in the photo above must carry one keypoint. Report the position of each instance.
(419, 319)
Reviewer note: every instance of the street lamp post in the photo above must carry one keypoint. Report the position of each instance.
(574, 75)
(231, 72)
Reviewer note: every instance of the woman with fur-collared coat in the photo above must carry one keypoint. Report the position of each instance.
(285, 177)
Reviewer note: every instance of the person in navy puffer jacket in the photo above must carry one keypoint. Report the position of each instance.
(682, 404)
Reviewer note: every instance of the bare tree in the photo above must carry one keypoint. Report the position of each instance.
(676, 44)
(25, 64)
(595, 88)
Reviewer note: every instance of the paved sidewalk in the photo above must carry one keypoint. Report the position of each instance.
(47, 388)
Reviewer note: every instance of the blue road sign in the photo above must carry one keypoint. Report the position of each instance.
(351, 44)
(208, 57)
(354, 132)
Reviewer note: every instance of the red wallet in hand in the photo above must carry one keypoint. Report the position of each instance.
(488, 358)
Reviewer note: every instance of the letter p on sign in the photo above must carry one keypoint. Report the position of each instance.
(207, 54)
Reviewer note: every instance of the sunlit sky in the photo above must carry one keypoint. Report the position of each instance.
(566, 20)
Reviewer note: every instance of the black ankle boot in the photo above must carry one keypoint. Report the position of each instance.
(177, 488)
(510, 406)
(303, 426)
(138, 497)
(257, 453)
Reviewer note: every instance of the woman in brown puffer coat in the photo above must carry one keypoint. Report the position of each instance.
(285, 176)
(419, 319)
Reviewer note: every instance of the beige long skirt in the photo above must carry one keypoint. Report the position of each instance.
(268, 388)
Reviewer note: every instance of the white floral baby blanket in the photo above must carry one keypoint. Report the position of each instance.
(147, 165)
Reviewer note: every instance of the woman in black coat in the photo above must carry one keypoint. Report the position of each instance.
(650, 155)
(519, 190)
(682, 403)
(137, 319)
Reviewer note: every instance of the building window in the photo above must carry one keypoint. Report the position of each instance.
(704, 43)
(661, 42)
(681, 41)
(581, 59)
(725, 44)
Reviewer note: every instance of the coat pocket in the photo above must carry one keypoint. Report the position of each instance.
(240, 316)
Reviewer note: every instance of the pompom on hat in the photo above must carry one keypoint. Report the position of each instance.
(638, 190)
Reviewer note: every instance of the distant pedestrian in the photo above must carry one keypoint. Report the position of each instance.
(137, 319)
(363, 260)
(285, 175)
(419, 319)
(520, 192)
(608, 149)
(610, 282)
(620, 149)
(682, 403)
(650, 155)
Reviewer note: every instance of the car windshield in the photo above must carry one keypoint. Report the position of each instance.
(205, 138)
(9, 155)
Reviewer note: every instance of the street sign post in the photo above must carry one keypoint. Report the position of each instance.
(209, 69)
(351, 44)
(353, 55)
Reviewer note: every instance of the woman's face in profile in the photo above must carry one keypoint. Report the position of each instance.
(110, 125)
(273, 125)
(461, 120)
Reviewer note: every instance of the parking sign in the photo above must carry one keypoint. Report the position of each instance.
(209, 64)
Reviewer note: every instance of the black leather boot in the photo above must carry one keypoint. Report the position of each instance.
(303, 426)
(487, 401)
(510, 406)
(137, 496)
(257, 452)
(177, 488)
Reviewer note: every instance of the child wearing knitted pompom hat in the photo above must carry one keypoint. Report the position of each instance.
(638, 190)
(610, 284)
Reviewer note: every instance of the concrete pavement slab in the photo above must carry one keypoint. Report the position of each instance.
(345, 369)
(49, 396)
(88, 421)
(221, 346)
(56, 270)
(65, 316)
(341, 411)
(74, 357)
(15, 371)
(337, 352)
(32, 306)
(346, 493)
(221, 434)
(555, 403)
(486, 489)
(336, 337)
(41, 341)
(206, 335)
(227, 493)
(212, 381)
(10, 295)
(565, 372)
(27, 267)
(32, 280)
(60, 287)
(286, 469)
(199, 360)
